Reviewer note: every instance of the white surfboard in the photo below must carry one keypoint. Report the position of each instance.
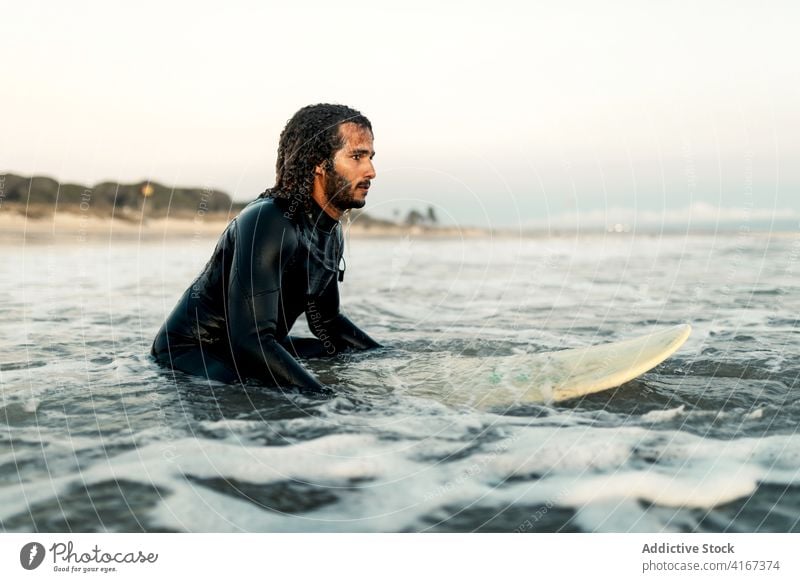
(542, 377)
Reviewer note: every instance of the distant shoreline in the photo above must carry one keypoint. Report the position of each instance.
(68, 225)
(42, 208)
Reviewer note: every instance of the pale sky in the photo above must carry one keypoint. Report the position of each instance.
(495, 113)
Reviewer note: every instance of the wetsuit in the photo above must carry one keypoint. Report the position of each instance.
(271, 264)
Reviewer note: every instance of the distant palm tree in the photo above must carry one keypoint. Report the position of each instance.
(414, 217)
(432, 215)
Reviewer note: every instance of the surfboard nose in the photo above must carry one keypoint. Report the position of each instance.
(686, 330)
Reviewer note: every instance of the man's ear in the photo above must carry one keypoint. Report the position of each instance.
(320, 170)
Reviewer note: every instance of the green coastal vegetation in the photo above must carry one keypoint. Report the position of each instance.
(40, 195)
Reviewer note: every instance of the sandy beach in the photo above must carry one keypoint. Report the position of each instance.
(66, 227)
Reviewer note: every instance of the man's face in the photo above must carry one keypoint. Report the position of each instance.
(347, 186)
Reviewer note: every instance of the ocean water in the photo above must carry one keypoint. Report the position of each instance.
(95, 437)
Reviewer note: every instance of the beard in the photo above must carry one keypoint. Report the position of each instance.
(341, 194)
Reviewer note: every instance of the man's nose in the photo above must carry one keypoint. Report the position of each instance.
(371, 173)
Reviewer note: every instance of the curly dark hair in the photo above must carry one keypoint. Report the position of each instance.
(311, 137)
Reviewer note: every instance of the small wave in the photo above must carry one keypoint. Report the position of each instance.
(664, 415)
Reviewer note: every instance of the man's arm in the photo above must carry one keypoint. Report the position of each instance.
(265, 242)
(332, 327)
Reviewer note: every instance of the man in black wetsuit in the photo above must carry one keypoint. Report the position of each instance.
(279, 258)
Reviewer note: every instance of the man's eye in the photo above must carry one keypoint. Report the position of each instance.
(356, 157)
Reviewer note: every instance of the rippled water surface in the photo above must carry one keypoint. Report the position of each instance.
(95, 437)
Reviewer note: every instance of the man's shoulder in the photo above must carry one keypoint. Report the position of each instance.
(266, 211)
(267, 218)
